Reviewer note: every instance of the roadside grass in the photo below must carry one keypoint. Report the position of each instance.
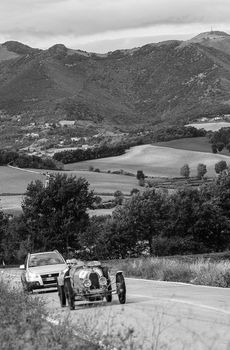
(23, 324)
(200, 272)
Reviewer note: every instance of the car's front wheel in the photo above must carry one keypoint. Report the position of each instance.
(69, 294)
(121, 288)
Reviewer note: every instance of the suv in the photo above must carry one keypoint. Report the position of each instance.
(41, 270)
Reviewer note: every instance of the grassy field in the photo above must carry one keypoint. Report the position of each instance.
(154, 161)
(210, 126)
(15, 181)
(162, 160)
(197, 144)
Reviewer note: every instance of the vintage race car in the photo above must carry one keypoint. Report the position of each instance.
(89, 281)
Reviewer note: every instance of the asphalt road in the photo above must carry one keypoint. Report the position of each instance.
(158, 315)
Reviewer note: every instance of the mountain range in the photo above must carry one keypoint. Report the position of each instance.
(167, 82)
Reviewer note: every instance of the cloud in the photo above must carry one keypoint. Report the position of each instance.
(46, 21)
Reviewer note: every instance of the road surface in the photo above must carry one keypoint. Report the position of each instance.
(179, 315)
(157, 315)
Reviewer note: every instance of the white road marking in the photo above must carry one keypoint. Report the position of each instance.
(176, 283)
(182, 302)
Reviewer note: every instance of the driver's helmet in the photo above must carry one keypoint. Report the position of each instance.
(74, 262)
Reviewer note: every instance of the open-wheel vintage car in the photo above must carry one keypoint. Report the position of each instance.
(89, 281)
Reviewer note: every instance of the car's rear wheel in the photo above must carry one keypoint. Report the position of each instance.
(121, 288)
(69, 294)
(108, 296)
(61, 294)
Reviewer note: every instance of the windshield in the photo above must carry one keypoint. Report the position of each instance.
(45, 259)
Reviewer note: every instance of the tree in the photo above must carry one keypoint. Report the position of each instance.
(57, 213)
(3, 229)
(140, 219)
(185, 171)
(220, 166)
(220, 146)
(201, 170)
(141, 182)
(140, 175)
(214, 148)
(134, 191)
(119, 197)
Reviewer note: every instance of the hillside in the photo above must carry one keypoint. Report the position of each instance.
(155, 161)
(158, 83)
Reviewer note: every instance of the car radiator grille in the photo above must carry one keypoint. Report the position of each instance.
(94, 280)
(50, 278)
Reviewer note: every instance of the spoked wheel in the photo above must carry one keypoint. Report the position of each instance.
(69, 294)
(121, 288)
(61, 294)
(109, 294)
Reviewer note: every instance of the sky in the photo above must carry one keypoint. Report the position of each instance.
(108, 25)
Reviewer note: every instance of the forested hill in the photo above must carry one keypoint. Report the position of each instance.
(163, 82)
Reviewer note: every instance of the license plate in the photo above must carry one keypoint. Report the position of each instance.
(49, 279)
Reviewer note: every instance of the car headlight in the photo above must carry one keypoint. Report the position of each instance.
(103, 281)
(32, 276)
(87, 283)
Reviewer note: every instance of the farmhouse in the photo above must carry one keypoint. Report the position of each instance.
(67, 122)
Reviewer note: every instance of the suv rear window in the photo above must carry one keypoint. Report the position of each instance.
(45, 259)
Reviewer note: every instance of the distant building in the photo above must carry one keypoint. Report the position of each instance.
(67, 122)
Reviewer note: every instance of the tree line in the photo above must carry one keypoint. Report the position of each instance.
(78, 155)
(22, 160)
(154, 222)
(219, 139)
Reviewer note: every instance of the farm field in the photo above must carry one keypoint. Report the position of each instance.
(155, 161)
(15, 181)
(210, 126)
(12, 205)
(198, 144)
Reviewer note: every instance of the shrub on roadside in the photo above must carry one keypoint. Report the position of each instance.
(201, 272)
(23, 324)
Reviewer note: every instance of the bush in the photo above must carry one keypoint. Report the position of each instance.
(23, 324)
(220, 166)
(141, 182)
(185, 171)
(201, 170)
(140, 175)
(201, 271)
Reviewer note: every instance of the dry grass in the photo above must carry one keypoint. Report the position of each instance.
(203, 272)
(24, 323)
